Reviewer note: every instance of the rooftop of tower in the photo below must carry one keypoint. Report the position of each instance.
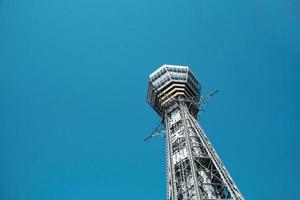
(170, 81)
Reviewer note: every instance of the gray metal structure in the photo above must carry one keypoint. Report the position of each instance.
(194, 170)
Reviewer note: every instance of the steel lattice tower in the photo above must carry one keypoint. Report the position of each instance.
(194, 170)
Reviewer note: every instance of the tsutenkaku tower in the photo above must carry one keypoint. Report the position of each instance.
(194, 170)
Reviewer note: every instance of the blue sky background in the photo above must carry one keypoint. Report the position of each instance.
(73, 83)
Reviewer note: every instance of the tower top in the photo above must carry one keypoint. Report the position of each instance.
(170, 82)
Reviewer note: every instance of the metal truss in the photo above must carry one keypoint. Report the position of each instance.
(195, 171)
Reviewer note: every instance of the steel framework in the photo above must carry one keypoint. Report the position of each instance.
(194, 169)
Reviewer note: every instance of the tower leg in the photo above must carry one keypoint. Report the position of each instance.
(195, 171)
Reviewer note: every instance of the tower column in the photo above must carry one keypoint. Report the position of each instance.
(194, 169)
(183, 110)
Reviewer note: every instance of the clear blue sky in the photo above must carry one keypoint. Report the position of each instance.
(73, 83)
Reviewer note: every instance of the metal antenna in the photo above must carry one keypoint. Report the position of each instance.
(204, 100)
(158, 131)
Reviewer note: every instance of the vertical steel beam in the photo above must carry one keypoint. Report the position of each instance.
(188, 142)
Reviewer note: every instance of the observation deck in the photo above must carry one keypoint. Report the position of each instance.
(169, 82)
